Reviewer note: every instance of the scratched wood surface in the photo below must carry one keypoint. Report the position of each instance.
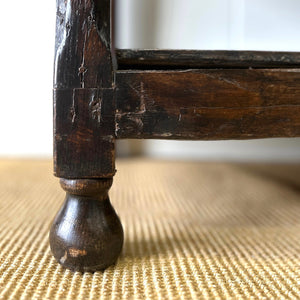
(94, 103)
(86, 234)
(195, 59)
(83, 91)
(208, 104)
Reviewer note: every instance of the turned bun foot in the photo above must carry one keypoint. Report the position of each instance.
(86, 234)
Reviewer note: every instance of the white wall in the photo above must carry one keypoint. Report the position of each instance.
(213, 24)
(27, 49)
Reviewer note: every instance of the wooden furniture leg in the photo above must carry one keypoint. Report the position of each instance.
(145, 94)
(86, 234)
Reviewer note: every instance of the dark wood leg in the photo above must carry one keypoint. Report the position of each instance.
(86, 234)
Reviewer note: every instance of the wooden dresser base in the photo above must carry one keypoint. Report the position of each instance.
(102, 94)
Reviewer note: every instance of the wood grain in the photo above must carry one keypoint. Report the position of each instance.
(86, 235)
(84, 133)
(168, 59)
(208, 104)
(83, 91)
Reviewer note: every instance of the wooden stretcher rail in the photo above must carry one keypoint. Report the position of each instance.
(171, 59)
(208, 104)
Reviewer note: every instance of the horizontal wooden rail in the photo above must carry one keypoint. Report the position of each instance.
(208, 104)
(167, 59)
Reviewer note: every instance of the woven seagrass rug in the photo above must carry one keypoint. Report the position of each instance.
(192, 231)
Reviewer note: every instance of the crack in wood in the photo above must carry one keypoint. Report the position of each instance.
(96, 108)
(73, 110)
